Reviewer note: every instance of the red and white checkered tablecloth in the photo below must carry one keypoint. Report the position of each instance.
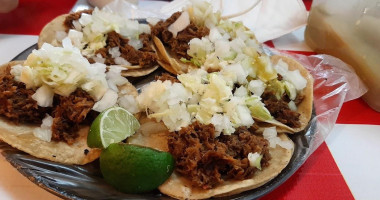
(345, 166)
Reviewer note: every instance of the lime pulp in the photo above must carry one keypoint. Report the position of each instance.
(112, 125)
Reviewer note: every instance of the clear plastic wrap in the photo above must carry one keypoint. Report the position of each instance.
(335, 82)
(349, 30)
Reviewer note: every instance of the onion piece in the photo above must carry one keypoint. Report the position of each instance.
(109, 99)
(271, 135)
(44, 132)
(180, 24)
(129, 102)
(44, 96)
(60, 35)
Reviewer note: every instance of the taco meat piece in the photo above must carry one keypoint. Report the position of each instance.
(16, 101)
(208, 161)
(144, 57)
(167, 77)
(68, 23)
(180, 44)
(69, 113)
(280, 110)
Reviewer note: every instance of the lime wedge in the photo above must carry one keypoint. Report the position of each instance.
(135, 169)
(111, 126)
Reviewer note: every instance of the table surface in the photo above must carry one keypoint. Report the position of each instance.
(345, 166)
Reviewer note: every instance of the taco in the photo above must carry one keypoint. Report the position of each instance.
(49, 101)
(280, 88)
(105, 37)
(289, 117)
(213, 167)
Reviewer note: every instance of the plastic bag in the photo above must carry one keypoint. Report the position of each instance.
(335, 82)
(349, 30)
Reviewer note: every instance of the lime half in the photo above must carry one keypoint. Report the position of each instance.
(111, 126)
(135, 169)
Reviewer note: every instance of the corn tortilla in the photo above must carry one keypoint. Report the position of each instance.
(154, 134)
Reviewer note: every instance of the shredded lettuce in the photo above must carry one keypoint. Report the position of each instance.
(277, 87)
(290, 90)
(257, 108)
(61, 70)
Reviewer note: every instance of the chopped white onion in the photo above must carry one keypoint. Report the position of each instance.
(254, 160)
(222, 124)
(114, 78)
(75, 37)
(180, 24)
(257, 87)
(44, 132)
(109, 99)
(121, 61)
(77, 25)
(215, 35)
(222, 48)
(241, 92)
(99, 59)
(136, 44)
(293, 77)
(85, 19)
(66, 43)
(16, 71)
(44, 96)
(114, 52)
(60, 35)
(177, 93)
(236, 72)
(292, 106)
(271, 135)
(245, 115)
(128, 102)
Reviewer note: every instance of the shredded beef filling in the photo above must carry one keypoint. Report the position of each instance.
(68, 23)
(144, 57)
(16, 101)
(69, 113)
(16, 104)
(209, 161)
(167, 77)
(280, 110)
(180, 44)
